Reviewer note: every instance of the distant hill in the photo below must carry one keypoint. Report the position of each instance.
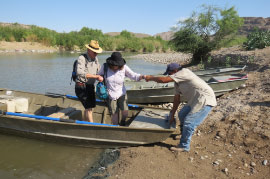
(251, 22)
(14, 24)
(165, 35)
(138, 35)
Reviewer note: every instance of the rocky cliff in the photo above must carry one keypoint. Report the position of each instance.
(251, 22)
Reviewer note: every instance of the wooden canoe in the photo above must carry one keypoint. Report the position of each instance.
(58, 118)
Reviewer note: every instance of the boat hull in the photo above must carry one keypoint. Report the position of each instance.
(87, 135)
(81, 135)
(166, 94)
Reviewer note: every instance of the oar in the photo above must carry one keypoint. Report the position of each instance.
(52, 118)
(75, 97)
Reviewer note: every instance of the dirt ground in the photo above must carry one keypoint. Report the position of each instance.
(233, 142)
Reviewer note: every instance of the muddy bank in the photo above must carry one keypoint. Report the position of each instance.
(233, 142)
(99, 169)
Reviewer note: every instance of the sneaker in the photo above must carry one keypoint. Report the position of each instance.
(178, 149)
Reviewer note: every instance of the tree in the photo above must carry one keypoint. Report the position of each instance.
(205, 31)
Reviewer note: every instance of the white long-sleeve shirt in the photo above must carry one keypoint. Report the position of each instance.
(115, 80)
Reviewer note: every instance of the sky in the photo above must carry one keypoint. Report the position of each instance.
(138, 16)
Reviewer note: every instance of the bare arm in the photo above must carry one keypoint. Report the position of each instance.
(97, 77)
(176, 102)
(158, 79)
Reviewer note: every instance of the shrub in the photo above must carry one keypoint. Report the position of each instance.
(257, 39)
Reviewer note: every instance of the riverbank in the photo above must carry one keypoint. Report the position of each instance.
(22, 47)
(233, 142)
(223, 57)
(165, 58)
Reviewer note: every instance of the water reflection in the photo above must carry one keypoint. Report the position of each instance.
(26, 158)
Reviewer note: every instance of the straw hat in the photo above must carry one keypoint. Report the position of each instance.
(94, 46)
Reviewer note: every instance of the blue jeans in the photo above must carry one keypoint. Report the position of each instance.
(189, 122)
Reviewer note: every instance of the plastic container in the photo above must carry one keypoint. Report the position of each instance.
(21, 104)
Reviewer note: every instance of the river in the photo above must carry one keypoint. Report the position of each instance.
(41, 73)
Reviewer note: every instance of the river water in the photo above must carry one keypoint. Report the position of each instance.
(41, 73)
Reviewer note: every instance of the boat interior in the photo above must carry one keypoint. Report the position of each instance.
(54, 106)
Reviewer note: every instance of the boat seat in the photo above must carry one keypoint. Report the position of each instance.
(151, 118)
(63, 113)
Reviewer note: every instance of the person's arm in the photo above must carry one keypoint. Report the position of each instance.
(158, 79)
(132, 75)
(176, 102)
(81, 71)
(97, 77)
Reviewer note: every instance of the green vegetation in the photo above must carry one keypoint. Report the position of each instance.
(237, 40)
(206, 31)
(126, 41)
(257, 39)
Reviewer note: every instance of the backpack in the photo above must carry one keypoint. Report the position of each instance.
(101, 89)
(73, 74)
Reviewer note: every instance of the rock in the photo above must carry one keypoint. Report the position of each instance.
(221, 133)
(253, 164)
(249, 142)
(225, 170)
(242, 86)
(265, 162)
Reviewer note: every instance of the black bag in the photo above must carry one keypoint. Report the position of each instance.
(73, 74)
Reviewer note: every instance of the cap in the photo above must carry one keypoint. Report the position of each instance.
(172, 67)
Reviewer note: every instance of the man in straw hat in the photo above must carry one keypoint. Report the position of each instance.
(200, 100)
(86, 70)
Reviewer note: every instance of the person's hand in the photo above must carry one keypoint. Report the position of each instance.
(147, 77)
(100, 78)
(142, 77)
